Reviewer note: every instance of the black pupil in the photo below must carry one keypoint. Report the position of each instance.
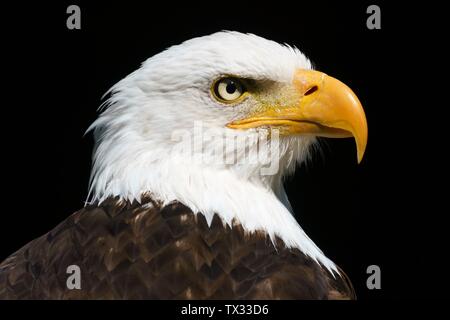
(231, 87)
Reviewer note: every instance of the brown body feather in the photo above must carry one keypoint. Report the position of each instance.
(129, 251)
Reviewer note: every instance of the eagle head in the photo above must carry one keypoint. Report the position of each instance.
(215, 123)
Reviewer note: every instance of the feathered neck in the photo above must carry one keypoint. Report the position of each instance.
(257, 203)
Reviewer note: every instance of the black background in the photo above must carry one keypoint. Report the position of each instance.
(383, 211)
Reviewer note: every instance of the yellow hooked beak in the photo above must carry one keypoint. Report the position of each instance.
(326, 107)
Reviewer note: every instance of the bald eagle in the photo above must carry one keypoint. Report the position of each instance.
(166, 217)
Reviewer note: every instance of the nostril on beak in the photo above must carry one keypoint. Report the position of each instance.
(311, 90)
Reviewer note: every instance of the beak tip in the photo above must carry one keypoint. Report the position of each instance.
(360, 159)
(360, 153)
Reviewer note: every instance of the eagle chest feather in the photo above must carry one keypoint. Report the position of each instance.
(134, 251)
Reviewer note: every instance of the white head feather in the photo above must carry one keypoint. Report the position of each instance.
(136, 152)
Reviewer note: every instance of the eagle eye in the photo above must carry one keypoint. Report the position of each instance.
(228, 89)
